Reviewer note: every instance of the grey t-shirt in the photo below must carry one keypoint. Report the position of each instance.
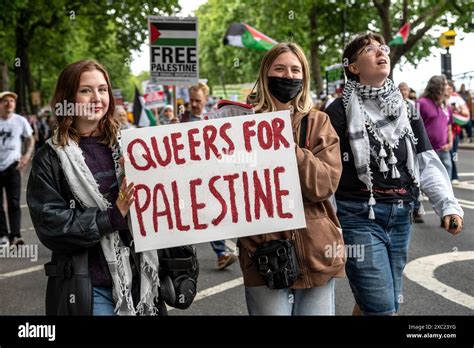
(11, 131)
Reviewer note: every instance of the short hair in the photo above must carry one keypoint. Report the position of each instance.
(451, 83)
(403, 84)
(200, 86)
(352, 48)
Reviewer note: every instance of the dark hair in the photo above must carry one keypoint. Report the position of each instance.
(435, 88)
(66, 89)
(451, 83)
(352, 49)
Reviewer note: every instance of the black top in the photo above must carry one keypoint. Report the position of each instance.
(386, 190)
(98, 158)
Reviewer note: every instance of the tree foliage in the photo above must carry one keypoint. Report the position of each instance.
(318, 27)
(39, 38)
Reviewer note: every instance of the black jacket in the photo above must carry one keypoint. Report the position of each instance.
(68, 230)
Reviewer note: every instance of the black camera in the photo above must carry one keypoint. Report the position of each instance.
(178, 272)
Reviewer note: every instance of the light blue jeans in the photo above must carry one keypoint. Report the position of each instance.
(445, 158)
(261, 300)
(103, 301)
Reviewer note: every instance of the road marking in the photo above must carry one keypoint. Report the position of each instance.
(462, 202)
(21, 272)
(465, 185)
(421, 271)
(219, 288)
(216, 289)
(466, 204)
(465, 174)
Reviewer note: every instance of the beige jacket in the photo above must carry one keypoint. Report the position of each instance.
(319, 246)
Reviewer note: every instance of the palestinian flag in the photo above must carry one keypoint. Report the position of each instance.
(243, 35)
(142, 117)
(173, 33)
(402, 36)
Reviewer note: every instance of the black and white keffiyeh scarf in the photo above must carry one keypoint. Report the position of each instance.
(382, 112)
(86, 190)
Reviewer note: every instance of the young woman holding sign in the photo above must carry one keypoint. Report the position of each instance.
(78, 200)
(317, 250)
(387, 159)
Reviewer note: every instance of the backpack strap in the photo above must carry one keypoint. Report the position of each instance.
(303, 131)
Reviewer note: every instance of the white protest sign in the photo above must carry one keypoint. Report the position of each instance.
(153, 94)
(212, 180)
(173, 50)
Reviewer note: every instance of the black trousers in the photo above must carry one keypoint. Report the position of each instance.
(10, 180)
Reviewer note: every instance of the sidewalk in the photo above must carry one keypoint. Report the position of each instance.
(466, 146)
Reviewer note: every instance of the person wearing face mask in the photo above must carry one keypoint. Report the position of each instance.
(284, 84)
(388, 158)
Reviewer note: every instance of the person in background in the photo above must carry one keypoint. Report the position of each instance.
(198, 95)
(14, 130)
(458, 106)
(122, 117)
(412, 96)
(438, 119)
(388, 160)
(466, 95)
(405, 91)
(167, 115)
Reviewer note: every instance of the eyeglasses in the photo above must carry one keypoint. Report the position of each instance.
(372, 49)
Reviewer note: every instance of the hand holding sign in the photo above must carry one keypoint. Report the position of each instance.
(126, 194)
(212, 180)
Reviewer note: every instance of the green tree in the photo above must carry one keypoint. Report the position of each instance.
(320, 27)
(41, 37)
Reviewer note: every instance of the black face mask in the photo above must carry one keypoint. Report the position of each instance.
(284, 89)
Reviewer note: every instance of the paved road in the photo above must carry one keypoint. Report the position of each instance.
(23, 284)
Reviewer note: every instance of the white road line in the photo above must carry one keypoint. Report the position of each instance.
(465, 174)
(421, 271)
(462, 202)
(21, 272)
(219, 288)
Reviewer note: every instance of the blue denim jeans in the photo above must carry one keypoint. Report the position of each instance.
(261, 300)
(376, 278)
(445, 158)
(454, 158)
(219, 247)
(103, 301)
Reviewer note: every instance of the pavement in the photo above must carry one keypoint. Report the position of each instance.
(438, 279)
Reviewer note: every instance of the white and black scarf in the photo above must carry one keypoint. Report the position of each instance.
(383, 112)
(86, 190)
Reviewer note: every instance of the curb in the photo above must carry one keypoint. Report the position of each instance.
(466, 146)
